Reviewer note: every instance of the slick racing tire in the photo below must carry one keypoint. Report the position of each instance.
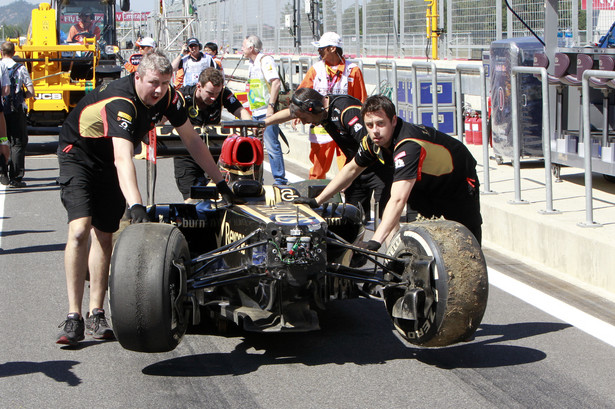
(147, 287)
(456, 282)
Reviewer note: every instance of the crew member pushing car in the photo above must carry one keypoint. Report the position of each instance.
(98, 177)
(435, 171)
(340, 116)
(204, 102)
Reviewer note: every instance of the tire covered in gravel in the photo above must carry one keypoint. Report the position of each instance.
(454, 282)
(147, 287)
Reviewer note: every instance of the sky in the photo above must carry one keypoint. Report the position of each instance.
(135, 5)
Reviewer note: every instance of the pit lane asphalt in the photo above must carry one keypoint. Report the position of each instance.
(520, 357)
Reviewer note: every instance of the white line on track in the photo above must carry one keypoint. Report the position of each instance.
(552, 306)
(583, 321)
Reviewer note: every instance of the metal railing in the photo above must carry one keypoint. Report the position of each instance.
(464, 71)
(467, 68)
(546, 135)
(589, 206)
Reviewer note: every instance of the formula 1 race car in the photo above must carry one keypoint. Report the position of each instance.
(272, 265)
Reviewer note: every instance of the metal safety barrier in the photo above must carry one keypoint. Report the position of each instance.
(546, 135)
(589, 206)
(468, 68)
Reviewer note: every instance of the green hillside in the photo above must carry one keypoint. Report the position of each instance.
(15, 18)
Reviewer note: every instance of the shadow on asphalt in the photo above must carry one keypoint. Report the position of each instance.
(19, 232)
(358, 332)
(35, 249)
(60, 371)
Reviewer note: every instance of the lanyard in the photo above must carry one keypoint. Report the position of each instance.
(333, 78)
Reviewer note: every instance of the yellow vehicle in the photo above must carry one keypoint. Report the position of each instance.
(70, 49)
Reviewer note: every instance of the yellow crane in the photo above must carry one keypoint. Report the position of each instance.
(62, 71)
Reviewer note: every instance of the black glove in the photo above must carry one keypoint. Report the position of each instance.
(138, 214)
(372, 245)
(308, 201)
(358, 259)
(227, 194)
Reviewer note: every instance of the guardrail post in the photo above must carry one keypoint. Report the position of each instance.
(393, 65)
(434, 94)
(484, 112)
(546, 133)
(515, 131)
(589, 206)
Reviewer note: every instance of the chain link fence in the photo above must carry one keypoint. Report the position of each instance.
(380, 28)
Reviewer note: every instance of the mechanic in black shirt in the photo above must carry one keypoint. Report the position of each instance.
(340, 115)
(435, 171)
(204, 101)
(98, 176)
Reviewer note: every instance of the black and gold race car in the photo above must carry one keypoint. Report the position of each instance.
(272, 265)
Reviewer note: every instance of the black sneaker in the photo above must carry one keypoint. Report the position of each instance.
(4, 179)
(17, 183)
(96, 325)
(73, 329)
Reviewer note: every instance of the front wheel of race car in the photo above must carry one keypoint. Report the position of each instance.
(147, 287)
(447, 297)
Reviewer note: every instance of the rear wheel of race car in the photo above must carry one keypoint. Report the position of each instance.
(450, 296)
(147, 287)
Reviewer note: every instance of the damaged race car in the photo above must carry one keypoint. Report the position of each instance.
(272, 265)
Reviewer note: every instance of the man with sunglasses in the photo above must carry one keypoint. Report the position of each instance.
(193, 61)
(85, 27)
(145, 46)
(204, 101)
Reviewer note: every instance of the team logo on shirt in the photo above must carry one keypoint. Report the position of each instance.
(124, 120)
(123, 115)
(399, 160)
(353, 121)
(358, 127)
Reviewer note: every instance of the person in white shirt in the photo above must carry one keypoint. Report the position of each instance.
(193, 61)
(5, 150)
(14, 107)
(263, 96)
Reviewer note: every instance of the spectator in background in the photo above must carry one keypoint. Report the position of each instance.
(212, 49)
(193, 61)
(14, 108)
(145, 46)
(85, 27)
(5, 150)
(331, 75)
(263, 95)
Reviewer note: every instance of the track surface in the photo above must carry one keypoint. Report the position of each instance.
(521, 356)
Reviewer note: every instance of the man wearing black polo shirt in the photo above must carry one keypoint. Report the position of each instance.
(204, 101)
(435, 171)
(340, 115)
(98, 176)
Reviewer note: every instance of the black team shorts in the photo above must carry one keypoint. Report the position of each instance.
(91, 191)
